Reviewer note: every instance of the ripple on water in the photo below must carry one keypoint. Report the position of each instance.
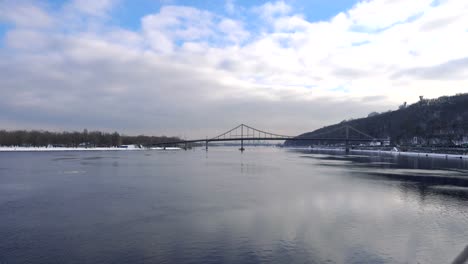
(450, 188)
(64, 158)
(73, 172)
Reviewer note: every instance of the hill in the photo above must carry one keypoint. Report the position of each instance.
(441, 121)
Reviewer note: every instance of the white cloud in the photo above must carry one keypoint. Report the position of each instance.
(233, 30)
(24, 14)
(175, 23)
(271, 10)
(379, 14)
(22, 39)
(188, 67)
(92, 7)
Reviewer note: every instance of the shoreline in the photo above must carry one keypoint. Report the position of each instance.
(394, 153)
(63, 149)
(416, 154)
(44, 149)
(387, 152)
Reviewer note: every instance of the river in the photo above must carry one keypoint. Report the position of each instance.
(265, 205)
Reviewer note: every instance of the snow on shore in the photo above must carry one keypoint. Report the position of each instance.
(132, 148)
(396, 153)
(33, 149)
(416, 154)
(38, 149)
(166, 148)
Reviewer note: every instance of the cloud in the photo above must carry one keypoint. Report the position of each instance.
(233, 30)
(24, 14)
(175, 23)
(271, 10)
(380, 14)
(349, 73)
(93, 7)
(229, 6)
(195, 71)
(438, 23)
(114, 88)
(451, 70)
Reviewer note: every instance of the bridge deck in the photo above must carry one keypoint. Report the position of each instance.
(247, 133)
(269, 139)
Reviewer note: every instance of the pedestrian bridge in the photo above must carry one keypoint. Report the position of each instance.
(242, 132)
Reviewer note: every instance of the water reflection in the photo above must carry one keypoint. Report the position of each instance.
(264, 205)
(424, 175)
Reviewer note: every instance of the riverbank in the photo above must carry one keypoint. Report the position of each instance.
(391, 152)
(415, 154)
(48, 149)
(38, 149)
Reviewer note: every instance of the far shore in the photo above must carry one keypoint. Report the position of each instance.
(23, 149)
(50, 149)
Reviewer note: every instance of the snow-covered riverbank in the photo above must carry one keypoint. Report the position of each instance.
(39, 149)
(414, 154)
(33, 149)
(122, 148)
(387, 152)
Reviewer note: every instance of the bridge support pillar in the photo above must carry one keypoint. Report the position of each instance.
(242, 141)
(206, 145)
(185, 146)
(347, 141)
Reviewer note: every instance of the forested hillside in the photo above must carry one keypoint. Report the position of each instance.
(430, 121)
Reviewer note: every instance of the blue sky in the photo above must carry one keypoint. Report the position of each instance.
(128, 13)
(182, 67)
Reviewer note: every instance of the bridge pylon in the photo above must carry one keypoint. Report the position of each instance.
(347, 140)
(242, 139)
(244, 132)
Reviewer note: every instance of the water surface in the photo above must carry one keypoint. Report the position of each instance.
(263, 206)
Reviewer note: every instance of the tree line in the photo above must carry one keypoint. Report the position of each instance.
(40, 138)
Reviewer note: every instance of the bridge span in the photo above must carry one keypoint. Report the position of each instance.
(244, 132)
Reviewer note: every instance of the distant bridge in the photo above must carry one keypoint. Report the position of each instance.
(244, 132)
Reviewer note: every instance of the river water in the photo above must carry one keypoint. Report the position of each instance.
(266, 205)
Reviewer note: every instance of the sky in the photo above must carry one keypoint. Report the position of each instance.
(197, 68)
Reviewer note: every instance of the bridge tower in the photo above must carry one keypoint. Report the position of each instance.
(347, 140)
(242, 139)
